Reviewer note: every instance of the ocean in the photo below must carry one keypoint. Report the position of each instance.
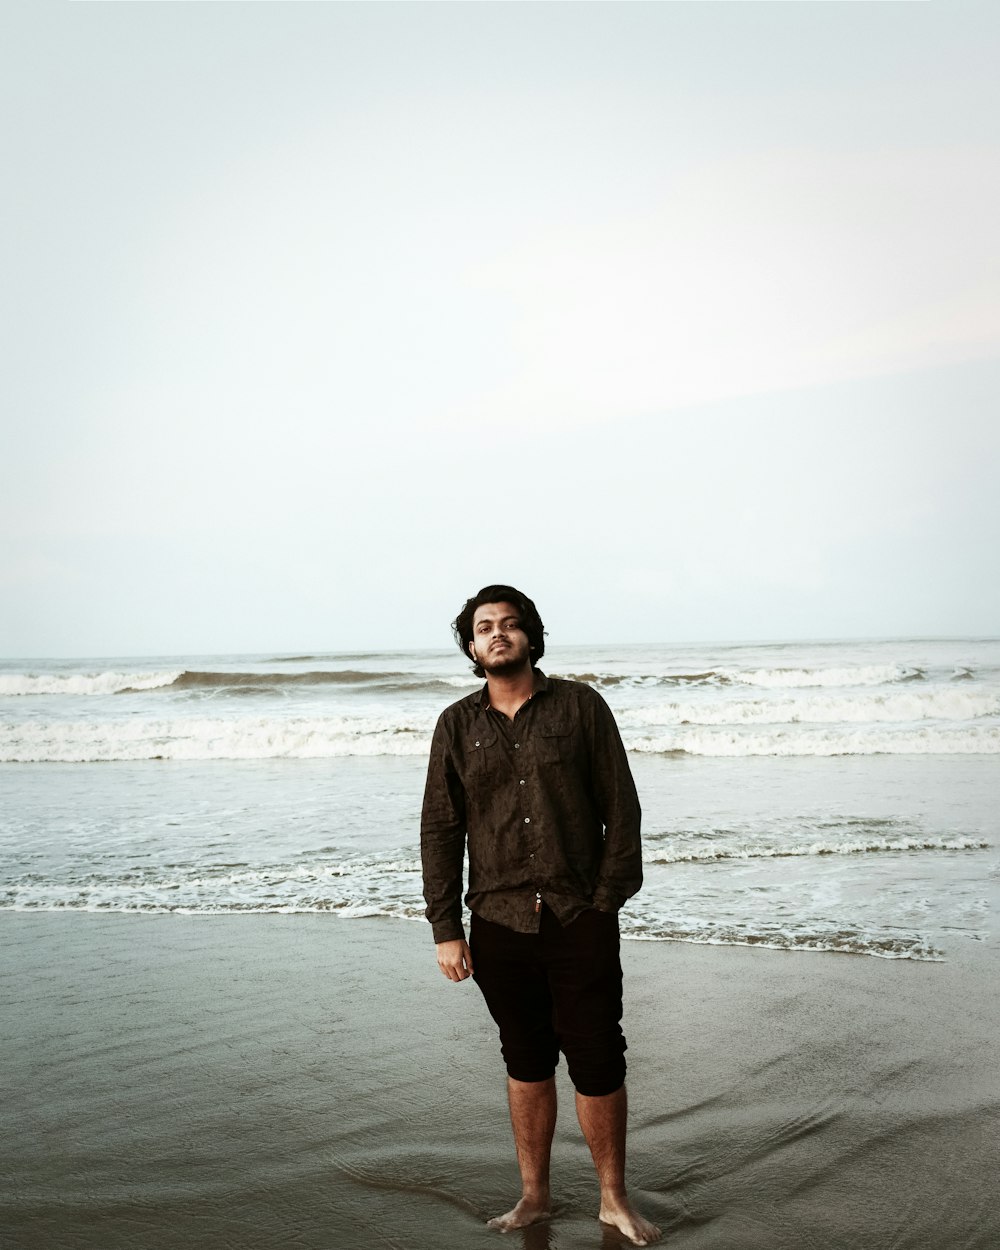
(820, 796)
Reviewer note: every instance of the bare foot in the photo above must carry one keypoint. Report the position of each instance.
(528, 1211)
(623, 1216)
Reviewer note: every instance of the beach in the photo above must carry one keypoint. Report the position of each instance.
(223, 1026)
(274, 1080)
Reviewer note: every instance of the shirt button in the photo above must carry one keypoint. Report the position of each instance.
(516, 745)
(521, 781)
(527, 820)
(531, 856)
(477, 744)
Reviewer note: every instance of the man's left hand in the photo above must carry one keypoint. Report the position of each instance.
(455, 959)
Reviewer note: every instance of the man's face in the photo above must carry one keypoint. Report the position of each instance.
(499, 643)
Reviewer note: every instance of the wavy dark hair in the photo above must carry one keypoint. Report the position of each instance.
(531, 622)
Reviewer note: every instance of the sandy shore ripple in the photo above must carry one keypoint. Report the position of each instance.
(299, 1081)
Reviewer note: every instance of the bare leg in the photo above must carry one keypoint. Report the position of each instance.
(533, 1119)
(603, 1122)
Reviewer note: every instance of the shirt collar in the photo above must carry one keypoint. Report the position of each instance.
(483, 699)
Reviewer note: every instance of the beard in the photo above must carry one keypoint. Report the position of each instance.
(503, 661)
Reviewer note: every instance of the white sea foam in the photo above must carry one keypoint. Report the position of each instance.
(782, 678)
(83, 683)
(898, 707)
(368, 884)
(844, 942)
(366, 887)
(278, 894)
(242, 738)
(975, 740)
(211, 738)
(683, 853)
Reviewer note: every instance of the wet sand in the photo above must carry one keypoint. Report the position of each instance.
(302, 1081)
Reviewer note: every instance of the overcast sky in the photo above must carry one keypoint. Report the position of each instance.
(317, 317)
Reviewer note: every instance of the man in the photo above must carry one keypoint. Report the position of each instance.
(533, 770)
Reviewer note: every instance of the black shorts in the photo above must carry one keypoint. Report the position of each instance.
(557, 989)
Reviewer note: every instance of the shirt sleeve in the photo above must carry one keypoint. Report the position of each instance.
(620, 874)
(442, 839)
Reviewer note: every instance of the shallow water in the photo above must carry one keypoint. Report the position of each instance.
(835, 797)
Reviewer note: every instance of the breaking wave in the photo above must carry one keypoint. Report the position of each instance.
(770, 678)
(862, 675)
(947, 703)
(12, 684)
(179, 679)
(84, 683)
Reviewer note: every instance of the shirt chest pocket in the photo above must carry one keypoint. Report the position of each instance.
(554, 743)
(482, 757)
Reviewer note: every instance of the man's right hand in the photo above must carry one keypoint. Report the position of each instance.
(455, 959)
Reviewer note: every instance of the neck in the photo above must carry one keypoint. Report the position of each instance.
(509, 691)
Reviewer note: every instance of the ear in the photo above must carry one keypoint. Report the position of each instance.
(472, 648)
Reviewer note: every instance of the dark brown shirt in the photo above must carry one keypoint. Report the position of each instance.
(549, 805)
